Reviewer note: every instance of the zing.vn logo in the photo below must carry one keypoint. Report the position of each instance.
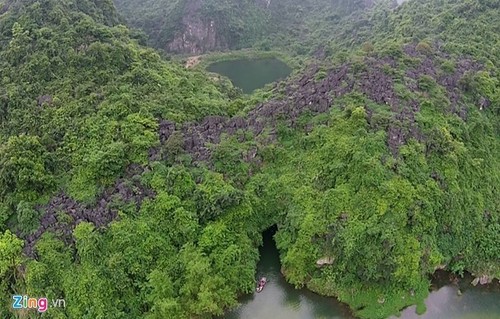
(41, 304)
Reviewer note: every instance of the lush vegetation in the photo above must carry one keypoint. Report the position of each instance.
(390, 183)
(289, 25)
(160, 20)
(386, 222)
(79, 103)
(234, 24)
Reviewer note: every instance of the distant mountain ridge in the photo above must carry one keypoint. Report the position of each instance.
(199, 26)
(195, 26)
(133, 187)
(101, 10)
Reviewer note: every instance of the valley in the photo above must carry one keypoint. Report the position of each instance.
(158, 157)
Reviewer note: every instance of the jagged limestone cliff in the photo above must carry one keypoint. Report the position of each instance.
(128, 177)
(197, 26)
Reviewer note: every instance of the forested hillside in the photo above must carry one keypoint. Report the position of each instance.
(134, 188)
(79, 110)
(194, 26)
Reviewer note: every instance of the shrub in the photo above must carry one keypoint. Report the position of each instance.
(424, 47)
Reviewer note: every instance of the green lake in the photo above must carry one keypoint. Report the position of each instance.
(252, 74)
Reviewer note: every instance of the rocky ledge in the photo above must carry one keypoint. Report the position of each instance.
(306, 94)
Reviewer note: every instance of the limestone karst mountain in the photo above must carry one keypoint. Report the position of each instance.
(135, 188)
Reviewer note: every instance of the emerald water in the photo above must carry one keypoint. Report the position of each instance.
(251, 74)
(279, 300)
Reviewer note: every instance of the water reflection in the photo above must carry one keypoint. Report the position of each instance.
(279, 300)
(460, 300)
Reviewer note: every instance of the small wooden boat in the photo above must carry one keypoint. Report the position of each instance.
(261, 284)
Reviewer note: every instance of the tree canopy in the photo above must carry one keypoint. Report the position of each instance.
(133, 187)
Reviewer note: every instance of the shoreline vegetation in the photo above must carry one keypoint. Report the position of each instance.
(203, 61)
(128, 176)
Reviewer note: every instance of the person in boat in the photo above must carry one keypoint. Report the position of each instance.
(261, 284)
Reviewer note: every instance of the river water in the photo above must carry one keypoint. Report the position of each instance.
(445, 302)
(251, 74)
(279, 300)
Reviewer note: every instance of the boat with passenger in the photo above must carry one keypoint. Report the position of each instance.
(260, 285)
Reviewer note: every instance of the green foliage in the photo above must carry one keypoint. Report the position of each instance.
(424, 47)
(10, 260)
(241, 22)
(27, 218)
(214, 196)
(237, 24)
(386, 225)
(426, 83)
(448, 66)
(10, 254)
(80, 102)
(24, 169)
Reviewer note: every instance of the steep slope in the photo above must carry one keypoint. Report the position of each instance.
(194, 26)
(79, 102)
(385, 166)
(129, 188)
(65, 77)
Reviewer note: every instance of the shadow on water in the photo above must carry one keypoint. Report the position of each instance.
(448, 299)
(279, 299)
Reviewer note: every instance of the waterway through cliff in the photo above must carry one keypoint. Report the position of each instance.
(448, 299)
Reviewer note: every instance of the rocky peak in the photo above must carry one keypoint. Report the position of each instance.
(212, 25)
(198, 34)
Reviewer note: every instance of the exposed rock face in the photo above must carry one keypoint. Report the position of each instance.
(198, 34)
(198, 26)
(308, 94)
(44, 99)
(483, 280)
(4, 7)
(324, 261)
(264, 3)
(63, 213)
(400, 2)
(203, 29)
(305, 94)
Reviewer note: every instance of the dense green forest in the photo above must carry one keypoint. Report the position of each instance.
(134, 188)
(194, 26)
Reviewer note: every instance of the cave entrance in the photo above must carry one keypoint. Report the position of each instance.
(269, 263)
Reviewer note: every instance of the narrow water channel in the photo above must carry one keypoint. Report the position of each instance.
(279, 300)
